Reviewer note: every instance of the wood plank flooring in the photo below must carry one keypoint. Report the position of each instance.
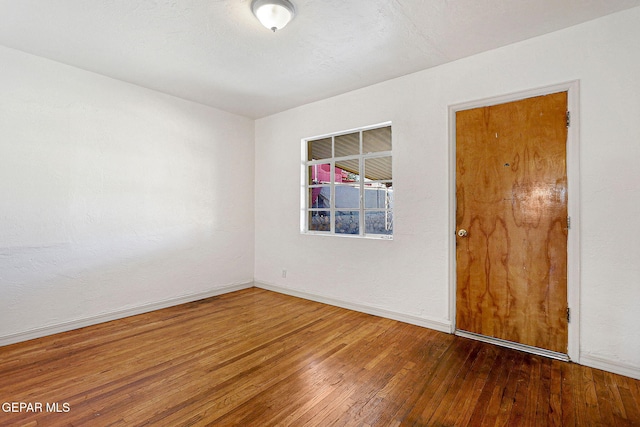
(258, 358)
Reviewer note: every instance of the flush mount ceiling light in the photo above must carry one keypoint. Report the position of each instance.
(273, 14)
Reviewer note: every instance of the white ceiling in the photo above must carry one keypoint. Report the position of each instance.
(216, 53)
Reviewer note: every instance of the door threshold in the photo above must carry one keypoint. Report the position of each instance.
(514, 345)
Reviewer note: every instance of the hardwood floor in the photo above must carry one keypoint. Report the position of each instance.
(258, 358)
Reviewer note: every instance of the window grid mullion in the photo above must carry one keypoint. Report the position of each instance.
(378, 154)
(362, 174)
(332, 201)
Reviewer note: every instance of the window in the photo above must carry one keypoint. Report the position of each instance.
(348, 183)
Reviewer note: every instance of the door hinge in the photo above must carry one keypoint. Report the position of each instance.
(568, 315)
(568, 118)
(568, 223)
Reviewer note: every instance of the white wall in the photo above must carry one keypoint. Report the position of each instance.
(409, 276)
(114, 197)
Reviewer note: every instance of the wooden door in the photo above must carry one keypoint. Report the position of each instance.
(511, 199)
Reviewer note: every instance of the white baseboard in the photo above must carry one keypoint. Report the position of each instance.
(442, 326)
(610, 366)
(437, 325)
(107, 317)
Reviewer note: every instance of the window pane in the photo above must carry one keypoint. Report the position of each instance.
(347, 145)
(378, 196)
(319, 149)
(348, 196)
(319, 221)
(348, 171)
(378, 169)
(378, 222)
(320, 174)
(375, 140)
(320, 197)
(347, 222)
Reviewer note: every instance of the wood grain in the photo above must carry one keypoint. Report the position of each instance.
(511, 197)
(257, 358)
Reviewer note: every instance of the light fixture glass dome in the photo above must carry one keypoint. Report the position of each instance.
(273, 14)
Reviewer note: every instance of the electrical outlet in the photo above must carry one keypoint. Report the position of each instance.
(284, 274)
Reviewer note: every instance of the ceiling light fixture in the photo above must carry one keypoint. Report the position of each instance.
(273, 14)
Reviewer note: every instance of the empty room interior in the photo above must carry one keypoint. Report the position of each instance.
(359, 213)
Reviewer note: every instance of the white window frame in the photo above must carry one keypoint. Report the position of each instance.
(305, 186)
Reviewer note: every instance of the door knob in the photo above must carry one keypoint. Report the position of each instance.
(462, 232)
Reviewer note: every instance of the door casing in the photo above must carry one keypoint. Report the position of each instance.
(573, 190)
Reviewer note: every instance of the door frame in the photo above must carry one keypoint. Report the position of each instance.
(573, 183)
